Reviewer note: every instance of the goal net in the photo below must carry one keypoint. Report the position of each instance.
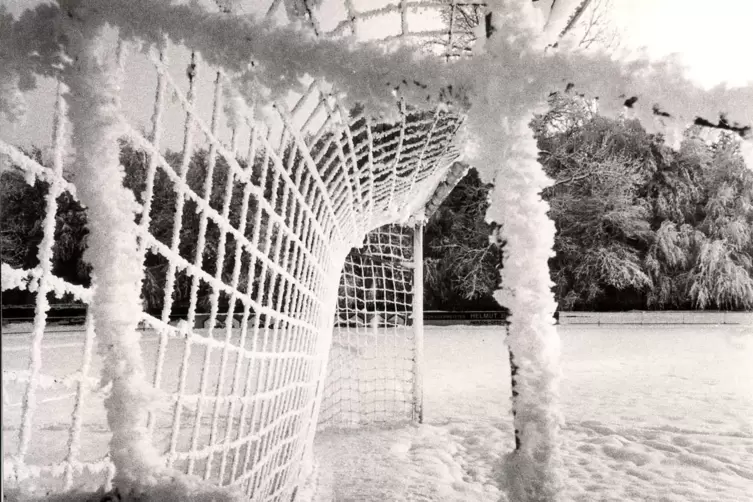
(372, 375)
(216, 334)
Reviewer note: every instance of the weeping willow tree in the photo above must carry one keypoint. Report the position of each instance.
(722, 274)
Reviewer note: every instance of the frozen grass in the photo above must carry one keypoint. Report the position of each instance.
(652, 414)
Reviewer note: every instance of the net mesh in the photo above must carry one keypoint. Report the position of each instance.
(242, 228)
(371, 373)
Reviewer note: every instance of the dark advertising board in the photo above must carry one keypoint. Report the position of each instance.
(434, 318)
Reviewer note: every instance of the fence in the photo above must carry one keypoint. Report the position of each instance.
(654, 317)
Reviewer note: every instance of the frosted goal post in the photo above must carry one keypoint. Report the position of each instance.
(236, 203)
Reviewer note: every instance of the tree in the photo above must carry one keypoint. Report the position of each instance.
(22, 210)
(639, 224)
(701, 200)
(723, 273)
(588, 22)
(599, 167)
(460, 261)
(463, 17)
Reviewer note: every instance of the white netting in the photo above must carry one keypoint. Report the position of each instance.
(251, 220)
(371, 372)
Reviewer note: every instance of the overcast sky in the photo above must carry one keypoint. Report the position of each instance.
(713, 38)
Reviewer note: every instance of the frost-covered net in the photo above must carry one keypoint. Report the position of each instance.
(47, 412)
(246, 212)
(371, 375)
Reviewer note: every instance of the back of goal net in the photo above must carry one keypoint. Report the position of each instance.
(372, 375)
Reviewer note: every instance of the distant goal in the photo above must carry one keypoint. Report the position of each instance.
(374, 373)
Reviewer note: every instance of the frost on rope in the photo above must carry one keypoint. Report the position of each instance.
(116, 265)
(367, 73)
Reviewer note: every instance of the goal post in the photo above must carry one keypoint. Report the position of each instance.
(418, 322)
(366, 383)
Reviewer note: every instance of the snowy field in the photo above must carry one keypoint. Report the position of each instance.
(61, 355)
(651, 414)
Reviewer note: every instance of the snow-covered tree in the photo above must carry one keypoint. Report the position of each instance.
(599, 167)
(723, 273)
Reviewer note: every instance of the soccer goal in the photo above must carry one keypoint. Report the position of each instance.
(375, 372)
(374, 369)
(290, 222)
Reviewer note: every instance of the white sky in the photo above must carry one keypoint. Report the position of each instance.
(713, 38)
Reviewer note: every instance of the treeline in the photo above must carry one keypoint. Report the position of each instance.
(23, 205)
(639, 224)
(23, 208)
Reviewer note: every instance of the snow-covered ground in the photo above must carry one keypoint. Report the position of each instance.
(652, 414)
